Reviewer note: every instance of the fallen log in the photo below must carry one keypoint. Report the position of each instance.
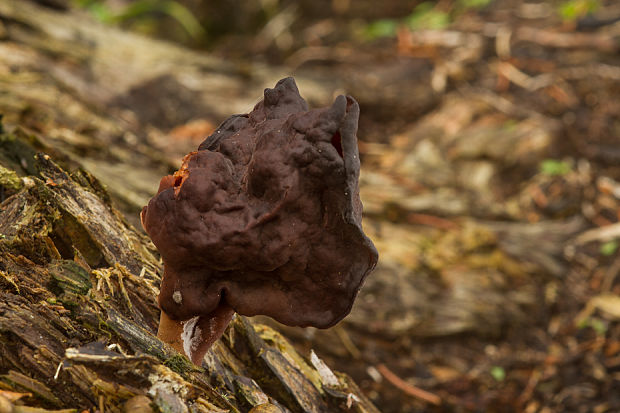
(78, 313)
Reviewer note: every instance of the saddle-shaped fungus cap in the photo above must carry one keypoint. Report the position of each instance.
(265, 218)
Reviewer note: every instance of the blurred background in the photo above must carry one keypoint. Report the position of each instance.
(490, 144)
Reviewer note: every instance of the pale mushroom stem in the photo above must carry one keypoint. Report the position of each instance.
(193, 337)
(170, 331)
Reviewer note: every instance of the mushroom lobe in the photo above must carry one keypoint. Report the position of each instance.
(265, 217)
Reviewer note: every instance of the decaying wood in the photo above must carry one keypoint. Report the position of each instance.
(78, 313)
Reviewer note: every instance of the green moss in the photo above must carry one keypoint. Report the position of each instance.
(71, 277)
(9, 179)
(71, 283)
(179, 364)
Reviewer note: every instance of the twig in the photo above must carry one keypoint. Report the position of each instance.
(502, 104)
(502, 42)
(431, 221)
(347, 342)
(603, 234)
(408, 388)
(120, 271)
(601, 70)
(527, 392)
(314, 53)
(551, 38)
(13, 396)
(58, 370)
(520, 78)
(610, 276)
(451, 39)
(276, 27)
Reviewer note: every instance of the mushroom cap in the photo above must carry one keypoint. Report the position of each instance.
(265, 216)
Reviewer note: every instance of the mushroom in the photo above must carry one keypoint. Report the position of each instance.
(264, 218)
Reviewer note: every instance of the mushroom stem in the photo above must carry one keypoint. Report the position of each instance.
(170, 331)
(193, 337)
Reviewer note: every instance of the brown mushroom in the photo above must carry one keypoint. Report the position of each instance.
(264, 218)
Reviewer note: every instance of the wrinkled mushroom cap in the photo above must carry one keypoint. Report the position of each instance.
(266, 216)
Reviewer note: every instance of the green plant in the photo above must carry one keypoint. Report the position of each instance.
(142, 10)
(98, 8)
(425, 16)
(554, 167)
(498, 373)
(381, 28)
(574, 9)
(473, 4)
(609, 247)
(596, 324)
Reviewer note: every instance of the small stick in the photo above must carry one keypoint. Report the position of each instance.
(347, 342)
(408, 388)
(431, 221)
(560, 40)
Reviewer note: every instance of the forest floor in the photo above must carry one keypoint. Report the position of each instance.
(490, 147)
(491, 185)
